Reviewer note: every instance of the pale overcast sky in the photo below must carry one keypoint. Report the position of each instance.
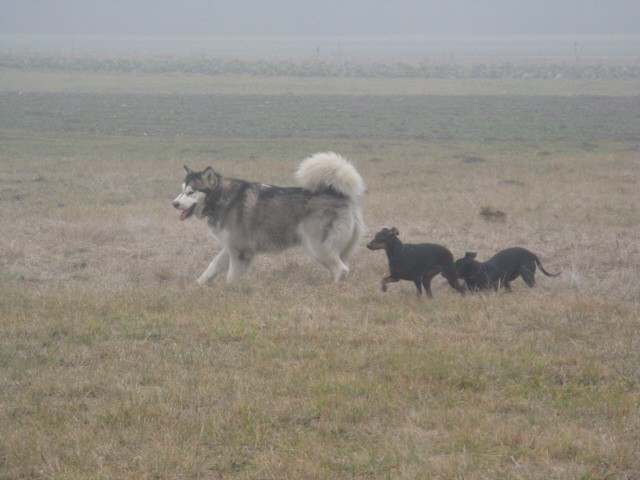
(320, 17)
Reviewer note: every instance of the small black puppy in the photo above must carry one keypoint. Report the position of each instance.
(416, 262)
(504, 267)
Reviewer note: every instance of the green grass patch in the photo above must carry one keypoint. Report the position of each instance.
(424, 118)
(45, 81)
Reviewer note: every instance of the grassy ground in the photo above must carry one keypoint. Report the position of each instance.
(399, 117)
(17, 80)
(113, 364)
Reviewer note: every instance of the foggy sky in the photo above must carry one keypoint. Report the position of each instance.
(319, 17)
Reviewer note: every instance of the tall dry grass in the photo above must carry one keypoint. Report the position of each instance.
(115, 365)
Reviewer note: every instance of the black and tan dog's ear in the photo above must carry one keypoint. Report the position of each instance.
(395, 231)
(470, 255)
(187, 169)
(210, 177)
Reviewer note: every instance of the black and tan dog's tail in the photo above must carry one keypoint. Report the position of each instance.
(543, 270)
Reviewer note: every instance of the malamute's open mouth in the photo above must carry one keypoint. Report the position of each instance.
(188, 212)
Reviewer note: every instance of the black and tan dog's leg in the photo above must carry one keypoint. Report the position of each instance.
(426, 282)
(385, 280)
(528, 274)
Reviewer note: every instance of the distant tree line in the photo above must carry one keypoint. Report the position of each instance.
(195, 65)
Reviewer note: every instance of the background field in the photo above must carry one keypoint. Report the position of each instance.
(113, 364)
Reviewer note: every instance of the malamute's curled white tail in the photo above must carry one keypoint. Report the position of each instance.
(330, 170)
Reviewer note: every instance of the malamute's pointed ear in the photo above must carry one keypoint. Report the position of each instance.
(187, 169)
(470, 255)
(210, 177)
(395, 231)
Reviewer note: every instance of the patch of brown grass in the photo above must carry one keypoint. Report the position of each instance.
(115, 365)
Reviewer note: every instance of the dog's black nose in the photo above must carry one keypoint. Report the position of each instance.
(176, 204)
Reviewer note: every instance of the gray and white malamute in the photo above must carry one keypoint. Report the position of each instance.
(324, 214)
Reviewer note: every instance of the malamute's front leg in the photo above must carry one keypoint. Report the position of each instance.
(219, 264)
(240, 265)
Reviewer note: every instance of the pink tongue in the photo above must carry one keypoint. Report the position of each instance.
(185, 214)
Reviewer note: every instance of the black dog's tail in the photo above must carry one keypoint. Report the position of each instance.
(543, 270)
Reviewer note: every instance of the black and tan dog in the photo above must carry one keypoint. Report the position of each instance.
(504, 267)
(418, 262)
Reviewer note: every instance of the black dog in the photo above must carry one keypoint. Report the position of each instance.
(416, 262)
(499, 270)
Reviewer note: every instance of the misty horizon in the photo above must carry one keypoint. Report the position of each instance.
(290, 18)
(336, 31)
(432, 49)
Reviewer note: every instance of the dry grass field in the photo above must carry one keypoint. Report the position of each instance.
(114, 364)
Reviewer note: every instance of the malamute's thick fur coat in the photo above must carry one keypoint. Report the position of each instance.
(324, 214)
